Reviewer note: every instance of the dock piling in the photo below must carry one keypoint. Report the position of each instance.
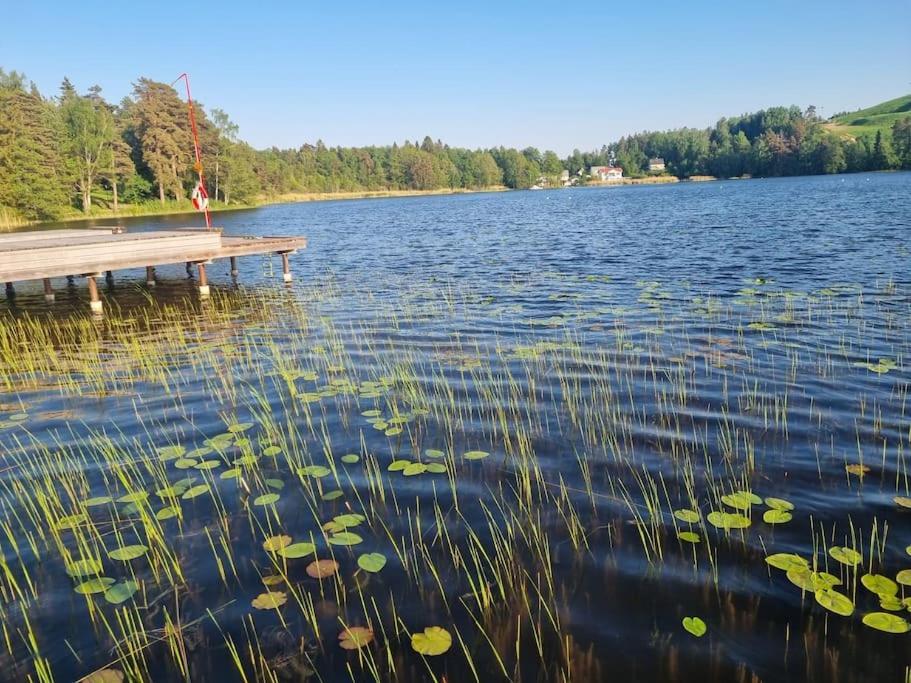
(203, 280)
(234, 271)
(48, 290)
(10, 292)
(94, 299)
(150, 276)
(286, 267)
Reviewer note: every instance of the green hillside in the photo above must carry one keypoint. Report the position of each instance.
(868, 121)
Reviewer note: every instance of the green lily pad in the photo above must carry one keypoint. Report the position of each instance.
(332, 495)
(436, 468)
(779, 504)
(475, 455)
(688, 516)
(184, 463)
(85, 567)
(433, 641)
(787, 561)
(434, 453)
(207, 465)
(272, 451)
(351, 519)
(835, 602)
(741, 500)
(350, 458)
(266, 499)
(776, 517)
(121, 592)
(92, 586)
(904, 577)
(297, 550)
(97, 501)
(317, 471)
(414, 468)
(879, 584)
(171, 452)
(128, 552)
(883, 621)
(398, 465)
(695, 626)
(845, 555)
(195, 491)
(239, 427)
(167, 512)
(689, 536)
(393, 431)
(71, 521)
(345, 538)
(728, 520)
(232, 473)
(371, 562)
(891, 603)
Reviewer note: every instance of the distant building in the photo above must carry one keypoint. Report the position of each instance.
(656, 165)
(606, 172)
(564, 178)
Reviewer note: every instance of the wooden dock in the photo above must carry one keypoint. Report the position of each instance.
(89, 253)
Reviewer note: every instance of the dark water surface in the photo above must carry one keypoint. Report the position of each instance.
(617, 354)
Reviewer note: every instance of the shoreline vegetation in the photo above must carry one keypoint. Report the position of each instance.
(78, 154)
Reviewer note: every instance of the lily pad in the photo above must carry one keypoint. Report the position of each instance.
(121, 592)
(904, 577)
(689, 536)
(275, 543)
(92, 586)
(134, 497)
(355, 637)
(317, 471)
(688, 516)
(266, 499)
(398, 465)
(779, 504)
(475, 455)
(171, 452)
(297, 550)
(371, 562)
(239, 427)
(345, 538)
(128, 552)
(435, 453)
(902, 501)
(741, 500)
(776, 517)
(97, 501)
(835, 602)
(433, 641)
(167, 512)
(890, 623)
(728, 520)
(85, 567)
(435, 468)
(270, 600)
(879, 584)
(350, 458)
(320, 569)
(414, 468)
(695, 626)
(195, 491)
(845, 555)
(272, 451)
(787, 561)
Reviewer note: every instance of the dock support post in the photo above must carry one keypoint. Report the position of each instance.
(150, 276)
(203, 280)
(286, 267)
(48, 290)
(10, 292)
(94, 299)
(190, 268)
(109, 277)
(233, 266)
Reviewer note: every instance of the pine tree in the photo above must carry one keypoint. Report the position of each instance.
(165, 143)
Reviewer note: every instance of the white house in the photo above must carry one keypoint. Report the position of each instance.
(606, 172)
(656, 165)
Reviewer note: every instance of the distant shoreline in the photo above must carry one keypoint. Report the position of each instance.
(288, 198)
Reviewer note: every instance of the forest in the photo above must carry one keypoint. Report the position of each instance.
(78, 153)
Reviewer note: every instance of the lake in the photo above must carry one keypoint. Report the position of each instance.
(637, 433)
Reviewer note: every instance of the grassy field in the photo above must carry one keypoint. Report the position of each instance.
(867, 121)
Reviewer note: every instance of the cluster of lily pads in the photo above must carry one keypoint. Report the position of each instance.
(385, 503)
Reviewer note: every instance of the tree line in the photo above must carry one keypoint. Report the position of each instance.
(77, 151)
(779, 141)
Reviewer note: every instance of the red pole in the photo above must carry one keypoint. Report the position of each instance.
(198, 165)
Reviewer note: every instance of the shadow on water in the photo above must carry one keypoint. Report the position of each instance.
(563, 422)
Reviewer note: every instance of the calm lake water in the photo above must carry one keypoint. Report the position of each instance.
(604, 357)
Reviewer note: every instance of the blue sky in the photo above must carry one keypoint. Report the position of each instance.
(554, 75)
